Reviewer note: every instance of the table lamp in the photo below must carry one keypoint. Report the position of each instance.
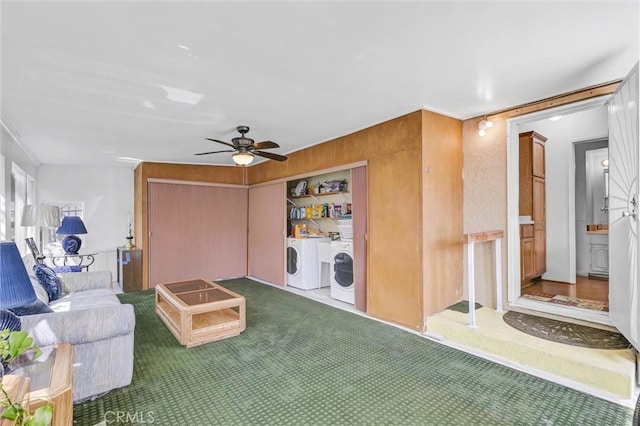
(71, 225)
(15, 286)
(43, 216)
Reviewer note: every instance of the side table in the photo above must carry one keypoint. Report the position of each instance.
(130, 269)
(17, 387)
(51, 382)
(84, 260)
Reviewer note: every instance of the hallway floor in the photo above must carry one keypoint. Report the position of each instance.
(584, 288)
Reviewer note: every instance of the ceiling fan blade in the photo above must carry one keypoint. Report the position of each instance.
(265, 145)
(270, 155)
(222, 142)
(215, 152)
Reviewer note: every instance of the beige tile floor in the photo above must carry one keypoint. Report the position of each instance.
(609, 374)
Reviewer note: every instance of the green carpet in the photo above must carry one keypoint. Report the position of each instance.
(304, 363)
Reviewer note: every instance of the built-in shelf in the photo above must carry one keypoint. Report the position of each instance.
(314, 218)
(319, 194)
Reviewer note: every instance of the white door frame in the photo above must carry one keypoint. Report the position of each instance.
(513, 225)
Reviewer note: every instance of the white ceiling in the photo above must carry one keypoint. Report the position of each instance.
(98, 82)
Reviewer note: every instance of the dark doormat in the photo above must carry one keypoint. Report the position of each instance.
(463, 306)
(565, 332)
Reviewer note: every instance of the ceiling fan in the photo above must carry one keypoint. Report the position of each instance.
(245, 148)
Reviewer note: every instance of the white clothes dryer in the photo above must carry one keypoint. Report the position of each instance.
(342, 271)
(302, 262)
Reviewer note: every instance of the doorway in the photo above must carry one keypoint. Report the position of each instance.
(565, 127)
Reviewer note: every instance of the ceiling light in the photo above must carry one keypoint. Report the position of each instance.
(242, 158)
(555, 118)
(483, 125)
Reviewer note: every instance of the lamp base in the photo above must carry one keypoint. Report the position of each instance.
(71, 244)
(129, 245)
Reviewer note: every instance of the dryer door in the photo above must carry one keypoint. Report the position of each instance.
(343, 269)
(293, 261)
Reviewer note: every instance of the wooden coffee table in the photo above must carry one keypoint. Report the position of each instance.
(200, 311)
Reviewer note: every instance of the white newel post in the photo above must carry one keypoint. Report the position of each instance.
(472, 285)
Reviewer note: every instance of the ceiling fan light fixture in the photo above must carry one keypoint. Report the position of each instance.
(242, 158)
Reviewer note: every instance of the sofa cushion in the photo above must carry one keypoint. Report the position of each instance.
(33, 308)
(86, 299)
(41, 293)
(49, 280)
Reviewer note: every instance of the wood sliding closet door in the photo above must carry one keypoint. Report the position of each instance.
(196, 231)
(359, 200)
(267, 222)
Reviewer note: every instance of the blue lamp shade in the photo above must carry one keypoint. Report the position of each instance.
(15, 286)
(71, 225)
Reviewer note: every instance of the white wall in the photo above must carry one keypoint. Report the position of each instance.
(107, 195)
(561, 135)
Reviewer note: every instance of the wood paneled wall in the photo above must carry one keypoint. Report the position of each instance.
(441, 211)
(399, 289)
(402, 206)
(178, 172)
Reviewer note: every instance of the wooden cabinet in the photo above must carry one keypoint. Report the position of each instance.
(130, 269)
(532, 199)
(527, 251)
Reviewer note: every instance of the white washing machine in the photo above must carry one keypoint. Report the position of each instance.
(302, 262)
(342, 271)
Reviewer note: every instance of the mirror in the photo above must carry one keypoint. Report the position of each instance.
(597, 180)
(606, 189)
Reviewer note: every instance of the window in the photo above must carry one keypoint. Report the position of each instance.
(67, 208)
(17, 232)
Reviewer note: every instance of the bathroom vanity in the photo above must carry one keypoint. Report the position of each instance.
(598, 253)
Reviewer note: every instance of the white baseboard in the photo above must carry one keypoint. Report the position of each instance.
(558, 278)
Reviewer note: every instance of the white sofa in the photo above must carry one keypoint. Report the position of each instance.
(90, 317)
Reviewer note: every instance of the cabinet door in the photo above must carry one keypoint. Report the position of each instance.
(539, 202)
(599, 259)
(130, 269)
(527, 259)
(538, 158)
(196, 231)
(267, 233)
(540, 249)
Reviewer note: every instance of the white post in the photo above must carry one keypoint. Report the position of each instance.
(498, 246)
(472, 288)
